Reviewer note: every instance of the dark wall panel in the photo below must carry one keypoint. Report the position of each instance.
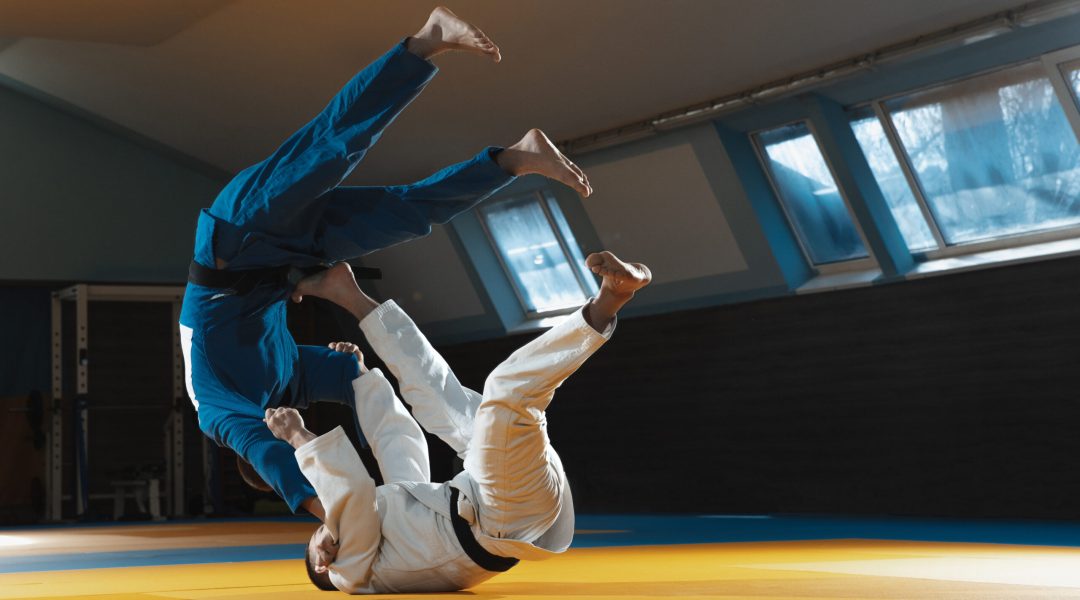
(953, 396)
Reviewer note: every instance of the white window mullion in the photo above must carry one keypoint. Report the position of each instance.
(1054, 65)
(909, 172)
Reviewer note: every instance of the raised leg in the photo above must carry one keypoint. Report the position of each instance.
(439, 402)
(384, 424)
(285, 193)
(276, 196)
(518, 474)
(359, 220)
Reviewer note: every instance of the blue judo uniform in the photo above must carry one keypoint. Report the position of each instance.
(290, 210)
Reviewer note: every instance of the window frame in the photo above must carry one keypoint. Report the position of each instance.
(1052, 64)
(843, 266)
(542, 197)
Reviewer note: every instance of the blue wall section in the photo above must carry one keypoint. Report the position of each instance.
(24, 340)
(84, 201)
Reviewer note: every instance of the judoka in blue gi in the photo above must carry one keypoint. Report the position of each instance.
(290, 212)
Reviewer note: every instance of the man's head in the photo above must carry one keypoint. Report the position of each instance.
(321, 552)
(251, 476)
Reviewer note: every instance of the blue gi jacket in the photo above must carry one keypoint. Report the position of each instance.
(290, 210)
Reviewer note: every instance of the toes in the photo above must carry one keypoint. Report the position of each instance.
(576, 184)
(571, 179)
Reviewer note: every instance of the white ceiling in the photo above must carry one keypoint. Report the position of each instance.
(226, 81)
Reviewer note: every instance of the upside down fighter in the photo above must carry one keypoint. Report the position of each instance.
(289, 213)
(511, 502)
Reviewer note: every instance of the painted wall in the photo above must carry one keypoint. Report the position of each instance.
(81, 202)
(675, 203)
(428, 279)
(947, 396)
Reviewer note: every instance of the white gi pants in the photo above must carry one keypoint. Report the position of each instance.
(502, 435)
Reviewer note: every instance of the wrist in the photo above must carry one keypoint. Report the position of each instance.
(300, 437)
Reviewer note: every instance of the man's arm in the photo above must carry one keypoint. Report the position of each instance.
(271, 458)
(314, 506)
(345, 490)
(296, 435)
(288, 426)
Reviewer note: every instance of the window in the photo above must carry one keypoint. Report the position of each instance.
(809, 195)
(994, 155)
(890, 177)
(539, 253)
(1072, 71)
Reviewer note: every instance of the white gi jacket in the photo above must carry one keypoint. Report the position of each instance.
(398, 537)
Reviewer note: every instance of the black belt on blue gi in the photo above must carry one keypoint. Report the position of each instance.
(242, 281)
(468, 542)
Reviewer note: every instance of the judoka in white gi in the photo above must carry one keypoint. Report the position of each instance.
(511, 502)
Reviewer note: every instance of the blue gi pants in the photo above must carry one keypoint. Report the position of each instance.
(290, 210)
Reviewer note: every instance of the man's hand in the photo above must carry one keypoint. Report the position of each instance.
(348, 347)
(287, 425)
(324, 548)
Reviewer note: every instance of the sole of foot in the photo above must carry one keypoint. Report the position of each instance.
(536, 154)
(620, 277)
(332, 284)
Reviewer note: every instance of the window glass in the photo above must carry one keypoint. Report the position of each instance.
(894, 186)
(571, 242)
(810, 196)
(994, 154)
(533, 256)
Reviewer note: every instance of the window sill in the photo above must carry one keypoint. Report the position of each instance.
(943, 266)
(840, 281)
(996, 258)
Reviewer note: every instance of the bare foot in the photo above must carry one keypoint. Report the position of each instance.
(333, 284)
(337, 285)
(620, 278)
(445, 31)
(535, 153)
(349, 347)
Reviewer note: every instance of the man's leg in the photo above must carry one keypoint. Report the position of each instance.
(439, 402)
(399, 445)
(359, 220)
(282, 193)
(510, 458)
(518, 475)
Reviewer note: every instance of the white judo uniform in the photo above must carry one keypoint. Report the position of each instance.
(513, 493)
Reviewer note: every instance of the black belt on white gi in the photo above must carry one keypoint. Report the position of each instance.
(468, 542)
(242, 281)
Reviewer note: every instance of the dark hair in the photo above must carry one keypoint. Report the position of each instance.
(251, 476)
(319, 580)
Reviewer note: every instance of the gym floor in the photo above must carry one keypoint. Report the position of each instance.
(613, 556)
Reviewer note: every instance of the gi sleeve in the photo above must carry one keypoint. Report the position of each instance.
(271, 457)
(347, 493)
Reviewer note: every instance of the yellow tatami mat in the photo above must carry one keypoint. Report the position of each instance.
(806, 570)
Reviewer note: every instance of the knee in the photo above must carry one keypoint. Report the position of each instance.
(504, 384)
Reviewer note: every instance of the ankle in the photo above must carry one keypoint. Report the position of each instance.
(420, 46)
(362, 306)
(509, 160)
(597, 318)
